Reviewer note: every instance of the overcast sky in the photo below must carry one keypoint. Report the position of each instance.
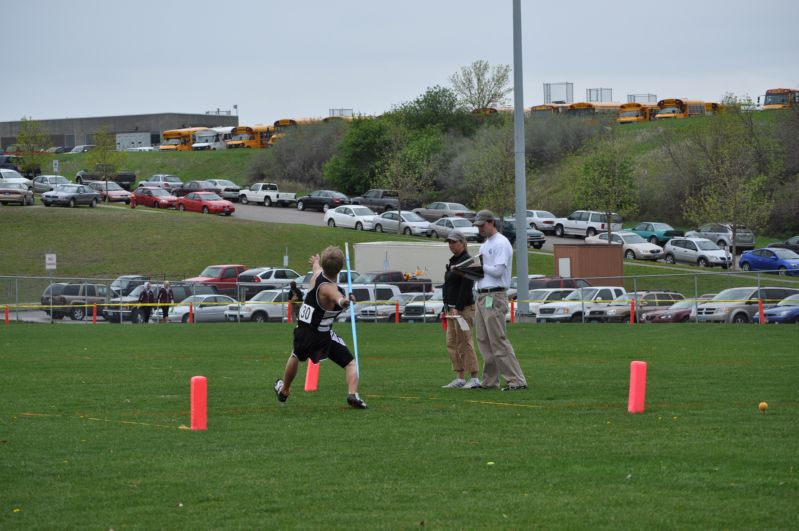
(295, 59)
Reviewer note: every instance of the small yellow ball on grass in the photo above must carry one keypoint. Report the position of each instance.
(762, 406)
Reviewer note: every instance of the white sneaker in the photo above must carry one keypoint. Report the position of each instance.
(471, 384)
(457, 383)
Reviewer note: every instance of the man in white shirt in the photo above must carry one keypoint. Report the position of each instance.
(499, 359)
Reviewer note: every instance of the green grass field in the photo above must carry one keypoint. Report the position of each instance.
(91, 434)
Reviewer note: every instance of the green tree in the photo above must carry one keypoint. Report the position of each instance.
(360, 157)
(606, 183)
(33, 140)
(104, 158)
(490, 171)
(438, 107)
(479, 86)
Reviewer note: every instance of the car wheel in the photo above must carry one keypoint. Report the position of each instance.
(722, 245)
(300, 205)
(434, 234)
(407, 231)
(746, 266)
(267, 201)
(185, 318)
(590, 232)
(205, 210)
(669, 258)
(653, 240)
(577, 318)
(740, 318)
(77, 313)
(702, 262)
(93, 203)
(533, 226)
(559, 231)
(181, 207)
(378, 228)
(325, 207)
(105, 199)
(136, 317)
(331, 223)
(629, 254)
(359, 226)
(782, 271)
(243, 200)
(72, 203)
(538, 245)
(258, 317)
(45, 203)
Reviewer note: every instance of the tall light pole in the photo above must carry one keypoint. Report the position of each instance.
(520, 174)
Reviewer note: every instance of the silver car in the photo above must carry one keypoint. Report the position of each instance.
(721, 235)
(699, 251)
(227, 189)
(738, 305)
(206, 308)
(267, 305)
(45, 183)
(411, 223)
(442, 228)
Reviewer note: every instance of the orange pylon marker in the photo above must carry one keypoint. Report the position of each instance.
(94, 314)
(632, 311)
(512, 312)
(7, 320)
(191, 312)
(311, 376)
(288, 313)
(635, 401)
(199, 402)
(760, 309)
(444, 323)
(396, 312)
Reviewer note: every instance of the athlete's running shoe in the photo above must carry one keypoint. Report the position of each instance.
(356, 402)
(279, 391)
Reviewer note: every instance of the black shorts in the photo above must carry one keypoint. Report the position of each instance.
(316, 346)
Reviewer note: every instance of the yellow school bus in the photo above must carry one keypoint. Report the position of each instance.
(677, 108)
(251, 136)
(781, 98)
(585, 108)
(548, 108)
(636, 112)
(179, 139)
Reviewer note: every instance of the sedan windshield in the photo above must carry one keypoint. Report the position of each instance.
(456, 206)
(793, 300)
(265, 296)
(633, 238)
(682, 305)
(160, 192)
(662, 226)
(786, 254)
(460, 222)
(209, 196)
(362, 211)
(734, 295)
(707, 245)
(412, 217)
(67, 189)
(225, 182)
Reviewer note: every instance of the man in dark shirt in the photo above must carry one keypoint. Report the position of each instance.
(459, 310)
(146, 299)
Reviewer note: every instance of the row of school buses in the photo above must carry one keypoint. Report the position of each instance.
(264, 136)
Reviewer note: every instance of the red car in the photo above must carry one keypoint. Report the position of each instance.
(224, 277)
(205, 202)
(679, 312)
(152, 197)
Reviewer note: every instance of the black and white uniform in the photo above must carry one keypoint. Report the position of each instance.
(314, 338)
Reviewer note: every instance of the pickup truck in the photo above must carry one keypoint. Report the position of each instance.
(125, 179)
(223, 277)
(267, 194)
(378, 200)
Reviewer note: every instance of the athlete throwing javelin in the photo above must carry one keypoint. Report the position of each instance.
(314, 338)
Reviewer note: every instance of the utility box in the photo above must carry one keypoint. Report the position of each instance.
(600, 264)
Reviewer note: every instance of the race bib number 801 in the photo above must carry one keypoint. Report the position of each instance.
(306, 313)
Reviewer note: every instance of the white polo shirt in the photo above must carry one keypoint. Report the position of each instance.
(497, 255)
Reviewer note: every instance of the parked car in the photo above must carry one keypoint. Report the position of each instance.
(679, 312)
(721, 235)
(410, 223)
(404, 282)
(206, 309)
(193, 186)
(165, 181)
(205, 202)
(369, 293)
(535, 238)
(351, 216)
(543, 282)
(378, 199)
(584, 223)
(633, 245)
(386, 313)
(791, 243)
(772, 260)
(425, 311)
(110, 191)
(266, 305)
(443, 226)
(71, 195)
(655, 232)
(226, 189)
(267, 194)
(76, 300)
(322, 200)
(698, 251)
(258, 279)
(618, 311)
(107, 172)
(45, 183)
(153, 197)
(8, 175)
(439, 209)
(224, 277)
(542, 220)
(83, 148)
(15, 193)
(50, 293)
(786, 311)
(580, 302)
(124, 284)
(738, 305)
(126, 307)
(537, 297)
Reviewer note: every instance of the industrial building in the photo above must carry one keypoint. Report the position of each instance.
(133, 131)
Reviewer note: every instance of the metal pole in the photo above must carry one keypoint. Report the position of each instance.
(523, 293)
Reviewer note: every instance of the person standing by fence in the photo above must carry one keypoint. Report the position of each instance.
(146, 300)
(165, 299)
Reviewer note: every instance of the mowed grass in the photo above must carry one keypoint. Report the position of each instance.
(90, 436)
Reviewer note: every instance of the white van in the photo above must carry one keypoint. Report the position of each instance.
(212, 138)
(584, 223)
(367, 295)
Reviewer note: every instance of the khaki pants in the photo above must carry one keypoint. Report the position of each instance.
(499, 359)
(459, 343)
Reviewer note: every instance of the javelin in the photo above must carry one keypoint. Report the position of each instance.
(352, 308)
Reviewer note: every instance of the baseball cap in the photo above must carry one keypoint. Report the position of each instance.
(483, 216)
(456, 236)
